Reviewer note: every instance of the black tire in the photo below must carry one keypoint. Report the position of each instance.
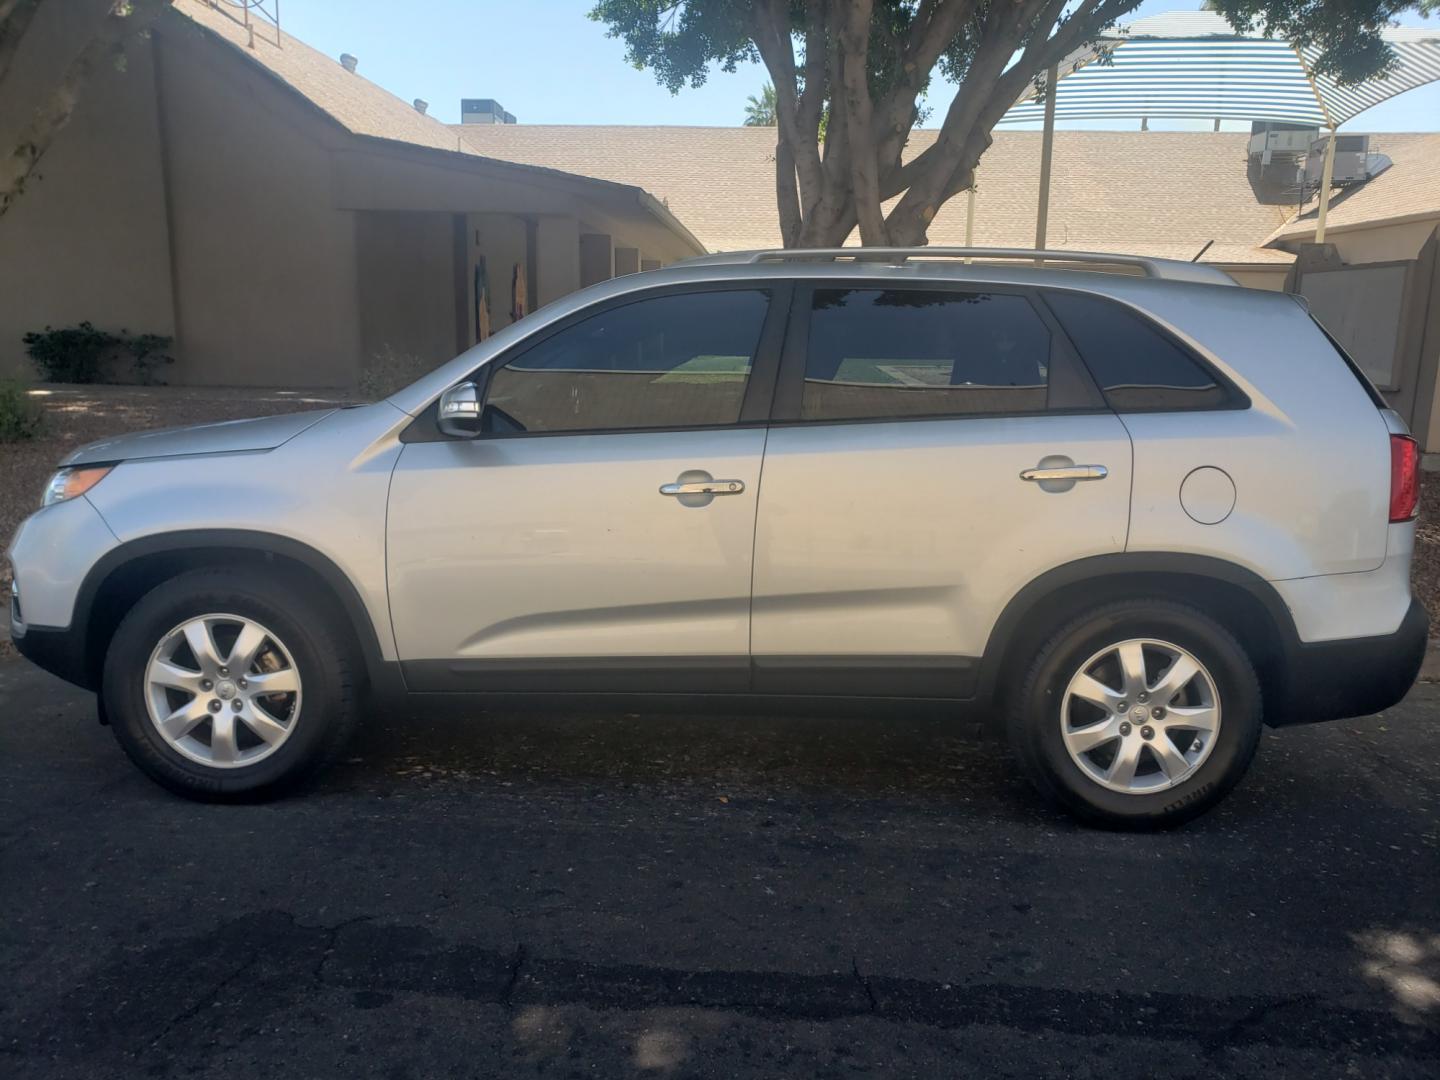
(1034, 719)
(300, 619)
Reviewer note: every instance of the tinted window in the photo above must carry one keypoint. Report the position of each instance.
(670, 361)
(1136, 365)
(908, 352)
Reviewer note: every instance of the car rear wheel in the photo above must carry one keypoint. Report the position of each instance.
(229, 685)
(1139, 714)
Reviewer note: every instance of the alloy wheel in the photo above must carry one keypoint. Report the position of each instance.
(223, 690)
(1140, 716)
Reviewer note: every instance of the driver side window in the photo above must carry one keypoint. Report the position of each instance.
(675, 361)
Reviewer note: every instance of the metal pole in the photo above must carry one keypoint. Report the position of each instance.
(1047, 147)
(1326, 175)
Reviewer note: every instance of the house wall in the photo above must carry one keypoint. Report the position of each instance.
(88, 239)
(195, 195)
(558, 255)
(264, 265)
(1382, 243)
(406, 275)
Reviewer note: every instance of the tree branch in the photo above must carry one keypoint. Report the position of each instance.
(107, 45)
(792, 220)
(798, 143)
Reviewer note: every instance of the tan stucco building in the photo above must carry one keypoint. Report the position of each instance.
(283, 218)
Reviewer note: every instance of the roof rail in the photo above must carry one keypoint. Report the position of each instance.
(1162, 269)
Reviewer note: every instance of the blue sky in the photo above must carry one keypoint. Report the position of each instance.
(547, 63)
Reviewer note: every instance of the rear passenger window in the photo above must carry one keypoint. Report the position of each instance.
(1137, 366)
(892, 353)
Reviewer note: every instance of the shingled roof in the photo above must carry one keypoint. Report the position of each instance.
(1407, 191)
(1155, 193)
(359, 105)
(366, 109)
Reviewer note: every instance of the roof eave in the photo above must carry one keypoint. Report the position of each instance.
(662, 213)
(1281, 236)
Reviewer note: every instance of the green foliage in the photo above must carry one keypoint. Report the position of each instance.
(1346, 33)
(83, 354)
(21, 416)
(760, 112)
(72, 355)
(146, 352)
(681, 42)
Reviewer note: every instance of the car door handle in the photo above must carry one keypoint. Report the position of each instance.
(704, 487)
(1068, 472)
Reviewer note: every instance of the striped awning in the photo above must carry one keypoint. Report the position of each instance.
(1194, 64)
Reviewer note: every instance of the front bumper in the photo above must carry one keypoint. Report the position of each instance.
(1333, 680)
(57, 651)
(51, 554)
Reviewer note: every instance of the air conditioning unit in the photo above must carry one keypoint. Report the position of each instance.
(483, 111)
(1352, 161)
(1269, 138)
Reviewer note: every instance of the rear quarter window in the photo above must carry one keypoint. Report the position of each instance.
(1137, 366)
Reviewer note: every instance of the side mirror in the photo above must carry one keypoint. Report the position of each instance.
(461, 408)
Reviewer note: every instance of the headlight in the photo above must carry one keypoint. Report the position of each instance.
(70, 483)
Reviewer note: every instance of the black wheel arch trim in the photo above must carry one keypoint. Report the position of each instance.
(1127, 564)
(383, 675)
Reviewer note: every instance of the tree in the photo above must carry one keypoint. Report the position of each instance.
(760, 112)
(869, 62)
(121, 23)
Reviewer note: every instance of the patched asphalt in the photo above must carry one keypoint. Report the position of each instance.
(600, 895)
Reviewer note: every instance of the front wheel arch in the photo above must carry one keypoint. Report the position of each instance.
(117, 581)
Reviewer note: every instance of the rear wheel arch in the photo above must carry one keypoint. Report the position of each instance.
(118, 580)
(1237, 598)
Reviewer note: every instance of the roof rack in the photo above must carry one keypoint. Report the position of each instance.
(1162, 269)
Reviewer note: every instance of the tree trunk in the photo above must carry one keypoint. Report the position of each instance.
(854, 89)
(786, 196)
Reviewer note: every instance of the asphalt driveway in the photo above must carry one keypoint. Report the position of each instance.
(598, 896)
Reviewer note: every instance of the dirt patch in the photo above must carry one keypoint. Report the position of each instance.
(75, 415)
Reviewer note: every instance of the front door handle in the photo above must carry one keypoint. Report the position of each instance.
(704, 487)
(1067, 472)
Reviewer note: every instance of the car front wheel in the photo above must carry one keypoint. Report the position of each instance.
(1139, 714)
(228, 684)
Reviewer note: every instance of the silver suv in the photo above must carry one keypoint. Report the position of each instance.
(1135, 513)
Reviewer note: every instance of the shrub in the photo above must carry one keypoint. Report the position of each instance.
(147, 352)
(74, 355)
(83, 354)
(21, 416)
(389, 371)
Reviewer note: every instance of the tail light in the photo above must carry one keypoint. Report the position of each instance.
(1404, 478)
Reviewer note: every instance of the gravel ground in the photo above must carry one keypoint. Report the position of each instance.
(75, 415)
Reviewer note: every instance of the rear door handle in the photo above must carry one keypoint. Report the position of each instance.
(704, 487)
(1067, 472)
